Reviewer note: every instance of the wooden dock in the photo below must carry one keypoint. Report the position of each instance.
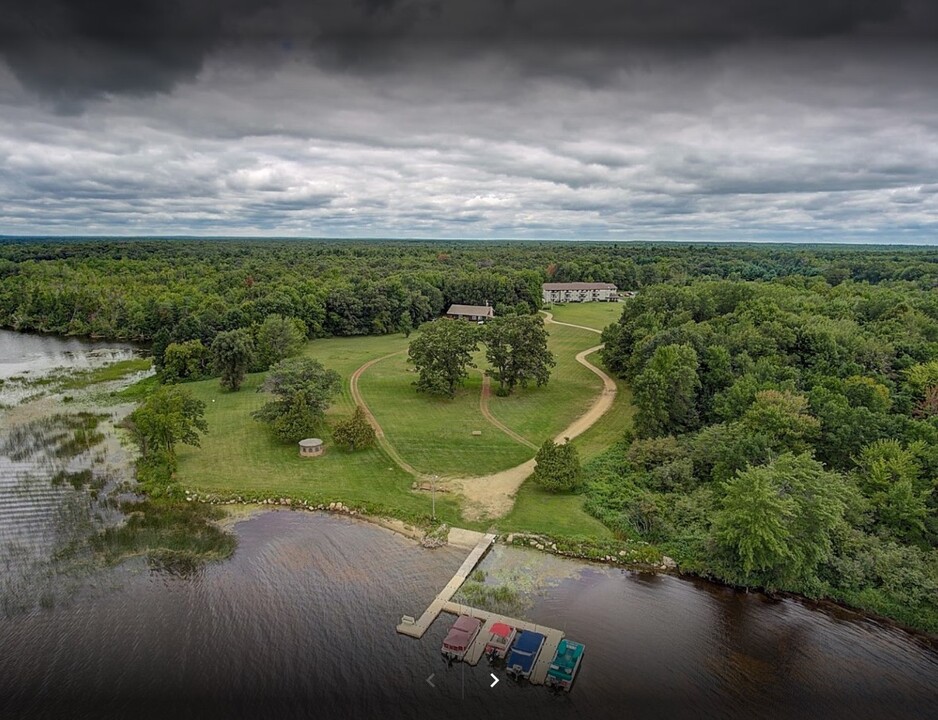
(474, 654)
(418, 627)
(415, 628)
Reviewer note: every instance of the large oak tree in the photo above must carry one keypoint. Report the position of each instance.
(303, 390)
(442, 355)
(516, 348)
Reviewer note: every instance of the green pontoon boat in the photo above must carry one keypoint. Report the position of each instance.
(564, 665)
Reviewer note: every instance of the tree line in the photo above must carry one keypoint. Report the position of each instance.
(165, 291)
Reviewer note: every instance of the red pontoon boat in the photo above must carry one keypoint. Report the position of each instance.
(496, 647)
(460, 637)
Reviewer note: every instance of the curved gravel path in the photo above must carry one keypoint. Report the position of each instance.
(379, 432)
(491, 496)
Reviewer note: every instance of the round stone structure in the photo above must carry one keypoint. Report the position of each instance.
(311, 447)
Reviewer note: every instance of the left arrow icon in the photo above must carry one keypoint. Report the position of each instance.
(430, 680)
(494, 680)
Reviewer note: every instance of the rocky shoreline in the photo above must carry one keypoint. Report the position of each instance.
(636, 556)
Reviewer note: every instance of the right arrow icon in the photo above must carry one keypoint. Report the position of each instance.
(494, 680)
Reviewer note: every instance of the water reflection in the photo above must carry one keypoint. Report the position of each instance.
(57, 473)
(22, 353)
(28, 363)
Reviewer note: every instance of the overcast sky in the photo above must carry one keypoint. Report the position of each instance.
(593, 119)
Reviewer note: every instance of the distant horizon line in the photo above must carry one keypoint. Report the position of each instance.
(606, 241)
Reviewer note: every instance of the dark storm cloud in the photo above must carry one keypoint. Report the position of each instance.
(72, 50)
(530, 118)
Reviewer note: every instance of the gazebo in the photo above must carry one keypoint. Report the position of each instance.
(311, 447)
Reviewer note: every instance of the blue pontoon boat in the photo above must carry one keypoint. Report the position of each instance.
(524, 654)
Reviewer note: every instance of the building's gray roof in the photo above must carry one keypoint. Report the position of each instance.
(578, 286)
(484, 310)
(310, 442)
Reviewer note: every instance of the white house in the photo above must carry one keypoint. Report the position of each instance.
(579, 292)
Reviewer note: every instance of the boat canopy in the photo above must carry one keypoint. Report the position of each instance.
(568, 653)
(501, 629)
(466, 624)
(528, 642)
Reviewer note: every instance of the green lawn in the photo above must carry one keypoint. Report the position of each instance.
(563, 515)
(595, 315)
(614, 423)
(539, 413)
(435, 434)
(239, 456)
(538, 511)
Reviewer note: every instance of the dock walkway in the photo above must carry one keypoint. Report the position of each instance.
(443, 603)
(417, 628)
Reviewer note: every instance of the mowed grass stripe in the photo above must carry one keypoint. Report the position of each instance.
(435, 434)
(539, 413)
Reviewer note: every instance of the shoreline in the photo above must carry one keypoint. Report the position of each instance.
(239, 512)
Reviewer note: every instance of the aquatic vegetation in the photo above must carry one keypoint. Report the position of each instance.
(62, 436)
(502, 599)
(138, 390)
(76, 479)
(106, 373)
(80, 441)
(175, 536)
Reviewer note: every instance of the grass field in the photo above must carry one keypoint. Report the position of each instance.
(539, 413)
(614, 423)
(594, 315)
(239, 456)
(538, 511)
(563, 515)
(435, 434)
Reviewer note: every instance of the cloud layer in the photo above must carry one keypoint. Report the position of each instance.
(490, 119)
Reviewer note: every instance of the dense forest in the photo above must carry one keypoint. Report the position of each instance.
(786, 436)
(786, 433)
(133, 289)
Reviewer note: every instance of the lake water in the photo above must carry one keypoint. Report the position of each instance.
(300, 623)
(26, 358)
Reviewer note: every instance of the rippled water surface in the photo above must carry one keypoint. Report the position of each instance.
(22, 353)
(300, 623)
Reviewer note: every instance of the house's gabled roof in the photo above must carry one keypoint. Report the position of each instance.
(483, 310)
(578, 286)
